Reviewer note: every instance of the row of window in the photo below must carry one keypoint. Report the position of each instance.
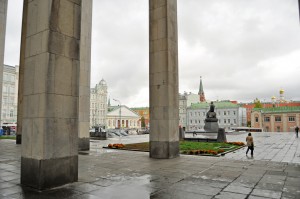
(277, 119)
(219, 113)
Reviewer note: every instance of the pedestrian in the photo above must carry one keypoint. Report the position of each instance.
(250, 144)
(297, 130)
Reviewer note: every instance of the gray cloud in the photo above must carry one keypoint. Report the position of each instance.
(242, 49)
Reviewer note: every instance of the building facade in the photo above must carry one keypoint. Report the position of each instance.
(185, 100)
(98, 104)
(9, 95)
(123, 117)
(276, 119)
(228, 114)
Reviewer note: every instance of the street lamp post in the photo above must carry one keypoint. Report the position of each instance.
(119, 111)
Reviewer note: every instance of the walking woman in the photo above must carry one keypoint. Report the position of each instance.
(250, 144)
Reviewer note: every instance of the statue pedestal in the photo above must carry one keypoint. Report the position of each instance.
(211, 125)
(221, 135)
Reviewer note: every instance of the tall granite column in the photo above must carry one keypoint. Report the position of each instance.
(51, 94)
(21, 73)
(3, 15)
(164, 104)
(85, 75)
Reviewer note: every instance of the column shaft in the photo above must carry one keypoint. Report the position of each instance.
(3, 16)
(51, 94)
(85, 75)
(164, 104)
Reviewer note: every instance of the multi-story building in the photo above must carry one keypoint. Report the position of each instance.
(98, 103)
(275, 102)
(123, 117)
(185, 100)
(276, 119)
(9, 95)
(143, 112)
(228, 114)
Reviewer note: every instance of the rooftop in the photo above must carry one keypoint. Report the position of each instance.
(218, 105)
(282, 109)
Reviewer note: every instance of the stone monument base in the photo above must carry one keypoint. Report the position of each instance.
(211, 127)
(221, 135)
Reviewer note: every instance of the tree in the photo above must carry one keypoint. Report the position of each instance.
(143, 122)
(257, 103)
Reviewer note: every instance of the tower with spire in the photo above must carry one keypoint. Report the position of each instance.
(201, 92)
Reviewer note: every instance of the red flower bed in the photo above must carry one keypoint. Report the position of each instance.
(116, 146)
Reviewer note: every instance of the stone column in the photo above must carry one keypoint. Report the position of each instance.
(164, 102)
(3, 15)
(51, 94)
(85, 75)
(21, 73)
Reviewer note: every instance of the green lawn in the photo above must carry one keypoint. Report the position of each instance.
(3, 137)
(189, 147)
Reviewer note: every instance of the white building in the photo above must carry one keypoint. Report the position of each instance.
(228, 114)
(185, 100)
(10, 95)
(128, 118)
(98, 104)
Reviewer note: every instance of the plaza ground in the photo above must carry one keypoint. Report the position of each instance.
(273, 172)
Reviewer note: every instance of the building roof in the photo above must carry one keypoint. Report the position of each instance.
(282, 109)
(218, 105)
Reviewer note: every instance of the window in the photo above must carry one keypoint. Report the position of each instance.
(195, 121)
(11, 113)
(228, 121)
(291, 118)
(224, 112)
(228, 112)
(277, 119)
(233, 112)
(234, 121)
(267, 119)
(256, 119)
(191, 114)
(191, 121)
(224, 121)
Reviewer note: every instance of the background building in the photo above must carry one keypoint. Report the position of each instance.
(228, 114)
(143, 112)
(98, 103)
(185, 100)
(276, 119)
(123, 117)
(9, 95)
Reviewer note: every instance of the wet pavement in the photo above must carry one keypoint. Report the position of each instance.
(107, 173)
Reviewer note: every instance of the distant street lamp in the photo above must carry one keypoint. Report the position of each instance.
(119, 111)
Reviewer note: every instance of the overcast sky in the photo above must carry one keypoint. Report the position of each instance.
(242, 49)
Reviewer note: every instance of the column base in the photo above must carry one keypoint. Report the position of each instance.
(164, 149)
(83, 144)
(18, 139)
(45, 174)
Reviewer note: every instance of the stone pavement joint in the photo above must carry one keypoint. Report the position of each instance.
(106, 173)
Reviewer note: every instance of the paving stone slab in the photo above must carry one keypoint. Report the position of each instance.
(266, 193)
(227, 195)
(238, 189)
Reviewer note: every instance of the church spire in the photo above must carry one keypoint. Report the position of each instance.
(201, 91)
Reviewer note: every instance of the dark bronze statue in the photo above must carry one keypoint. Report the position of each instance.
(211, 113)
